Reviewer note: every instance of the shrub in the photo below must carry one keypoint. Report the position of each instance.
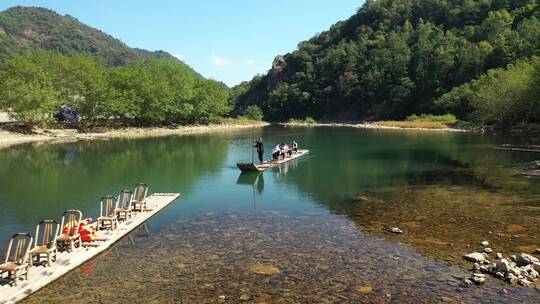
(305, 121)
(310, 121)
(253, 112)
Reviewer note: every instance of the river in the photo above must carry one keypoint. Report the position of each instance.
(317, 226)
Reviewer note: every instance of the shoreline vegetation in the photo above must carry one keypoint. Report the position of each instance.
(424, 122)
(13, 136)
(382, 125)
(62, 135)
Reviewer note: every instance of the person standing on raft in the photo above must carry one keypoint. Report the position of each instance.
(260, 149)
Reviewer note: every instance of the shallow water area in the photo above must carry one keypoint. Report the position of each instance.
(312, 257)
(313, 230)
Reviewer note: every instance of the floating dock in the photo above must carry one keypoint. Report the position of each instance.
(40, 276)
(245, 167)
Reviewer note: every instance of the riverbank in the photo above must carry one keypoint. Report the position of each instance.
(377, 125)
(11, 138)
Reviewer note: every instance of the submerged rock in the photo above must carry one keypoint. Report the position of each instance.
(488, 250)
(264, 269)
(396, 230)
(485, 243)
(499, 255)
(475, 257)
(362, 198)
(365, 289)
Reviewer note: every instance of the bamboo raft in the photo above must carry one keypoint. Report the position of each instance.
(246, 167)
(40, 276)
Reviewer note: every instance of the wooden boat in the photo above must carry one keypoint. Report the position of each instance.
(246, 167)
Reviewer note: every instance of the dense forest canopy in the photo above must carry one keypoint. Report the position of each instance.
(394, 58)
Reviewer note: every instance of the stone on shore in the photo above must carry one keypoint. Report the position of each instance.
(526, 259)
(488, 250)
(479, 280)
(485, 243)
(504, 265)
(475, 257)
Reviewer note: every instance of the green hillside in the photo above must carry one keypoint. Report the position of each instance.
(394, 58)
(24, 29)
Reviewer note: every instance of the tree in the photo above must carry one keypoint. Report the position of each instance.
(28, 89)
(502, 97)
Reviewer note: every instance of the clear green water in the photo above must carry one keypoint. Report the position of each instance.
(306, 212)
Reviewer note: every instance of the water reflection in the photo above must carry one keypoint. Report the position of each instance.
(40, 182)
(255, 180)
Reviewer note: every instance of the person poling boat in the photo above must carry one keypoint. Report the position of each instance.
(260, 149)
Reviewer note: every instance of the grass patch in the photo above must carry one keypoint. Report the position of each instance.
(239, 121)
(424, 121)
(447, 118)
(412, 124)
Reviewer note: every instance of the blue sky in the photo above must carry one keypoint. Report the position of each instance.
(228, 40)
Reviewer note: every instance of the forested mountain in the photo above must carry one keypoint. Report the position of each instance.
(24, 29)
(394, 58)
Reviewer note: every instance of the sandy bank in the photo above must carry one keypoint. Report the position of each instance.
(373, 126)
(8, 138)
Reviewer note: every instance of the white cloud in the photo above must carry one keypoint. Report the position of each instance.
(219, 61)
(179, 56)
(249, 62)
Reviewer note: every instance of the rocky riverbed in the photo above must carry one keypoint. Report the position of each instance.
(270, 257)
(446, 222)
(522, 269)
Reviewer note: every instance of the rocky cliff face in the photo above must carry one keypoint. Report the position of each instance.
(278, 65)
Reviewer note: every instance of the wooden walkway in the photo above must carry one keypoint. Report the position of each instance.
(269, 163)
(40, 276)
